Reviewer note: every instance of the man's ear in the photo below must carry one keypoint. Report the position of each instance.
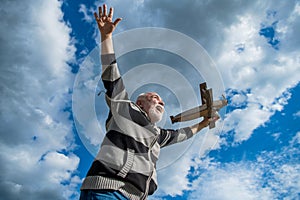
(139, 103)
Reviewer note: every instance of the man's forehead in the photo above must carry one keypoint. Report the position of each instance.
(152, 94)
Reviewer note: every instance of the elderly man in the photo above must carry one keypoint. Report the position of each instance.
(125, 167)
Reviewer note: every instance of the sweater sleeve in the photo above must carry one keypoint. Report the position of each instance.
(112, 79)
(169, 136)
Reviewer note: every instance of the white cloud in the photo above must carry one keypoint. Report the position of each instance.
(267, 73)
(233, 182)
(166, 182)
(244, 121)
(35, 84)
(87, 13)
(297, 114)
(276, 135)
(296, 139)
(238, 100)
(264, 178)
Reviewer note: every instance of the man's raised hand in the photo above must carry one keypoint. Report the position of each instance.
(105, 23)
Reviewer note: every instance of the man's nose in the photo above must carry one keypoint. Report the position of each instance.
(161, 103)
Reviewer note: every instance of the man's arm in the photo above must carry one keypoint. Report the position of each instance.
(106, 27)
(110, 73)
(170, 136)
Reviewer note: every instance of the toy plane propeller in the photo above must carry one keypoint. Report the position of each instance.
(208, 108)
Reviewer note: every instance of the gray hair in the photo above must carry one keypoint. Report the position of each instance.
(141, 96)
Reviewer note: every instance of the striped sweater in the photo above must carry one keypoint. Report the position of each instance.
(127, 158)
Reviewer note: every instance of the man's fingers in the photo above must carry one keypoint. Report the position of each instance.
(96, 16)
(214, 118)
(100, 11)
(99, 20)
(104, 10)
(111, 13)
(117, 21)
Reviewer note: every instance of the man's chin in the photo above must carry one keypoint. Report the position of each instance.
(155, 114)
(155, 119)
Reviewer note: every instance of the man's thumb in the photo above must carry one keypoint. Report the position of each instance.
(117, 21)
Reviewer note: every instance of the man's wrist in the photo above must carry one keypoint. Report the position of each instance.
(201, 126)
(107, 45)
(105, 37)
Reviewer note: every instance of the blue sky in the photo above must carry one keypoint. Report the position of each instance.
(52, 119)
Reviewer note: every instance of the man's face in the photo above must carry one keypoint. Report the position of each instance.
(153, 105)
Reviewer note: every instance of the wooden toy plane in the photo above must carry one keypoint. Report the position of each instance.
(209, 108)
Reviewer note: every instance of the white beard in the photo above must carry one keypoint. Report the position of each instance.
(154, 114)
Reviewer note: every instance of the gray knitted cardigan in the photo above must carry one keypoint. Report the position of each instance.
(127, 158)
